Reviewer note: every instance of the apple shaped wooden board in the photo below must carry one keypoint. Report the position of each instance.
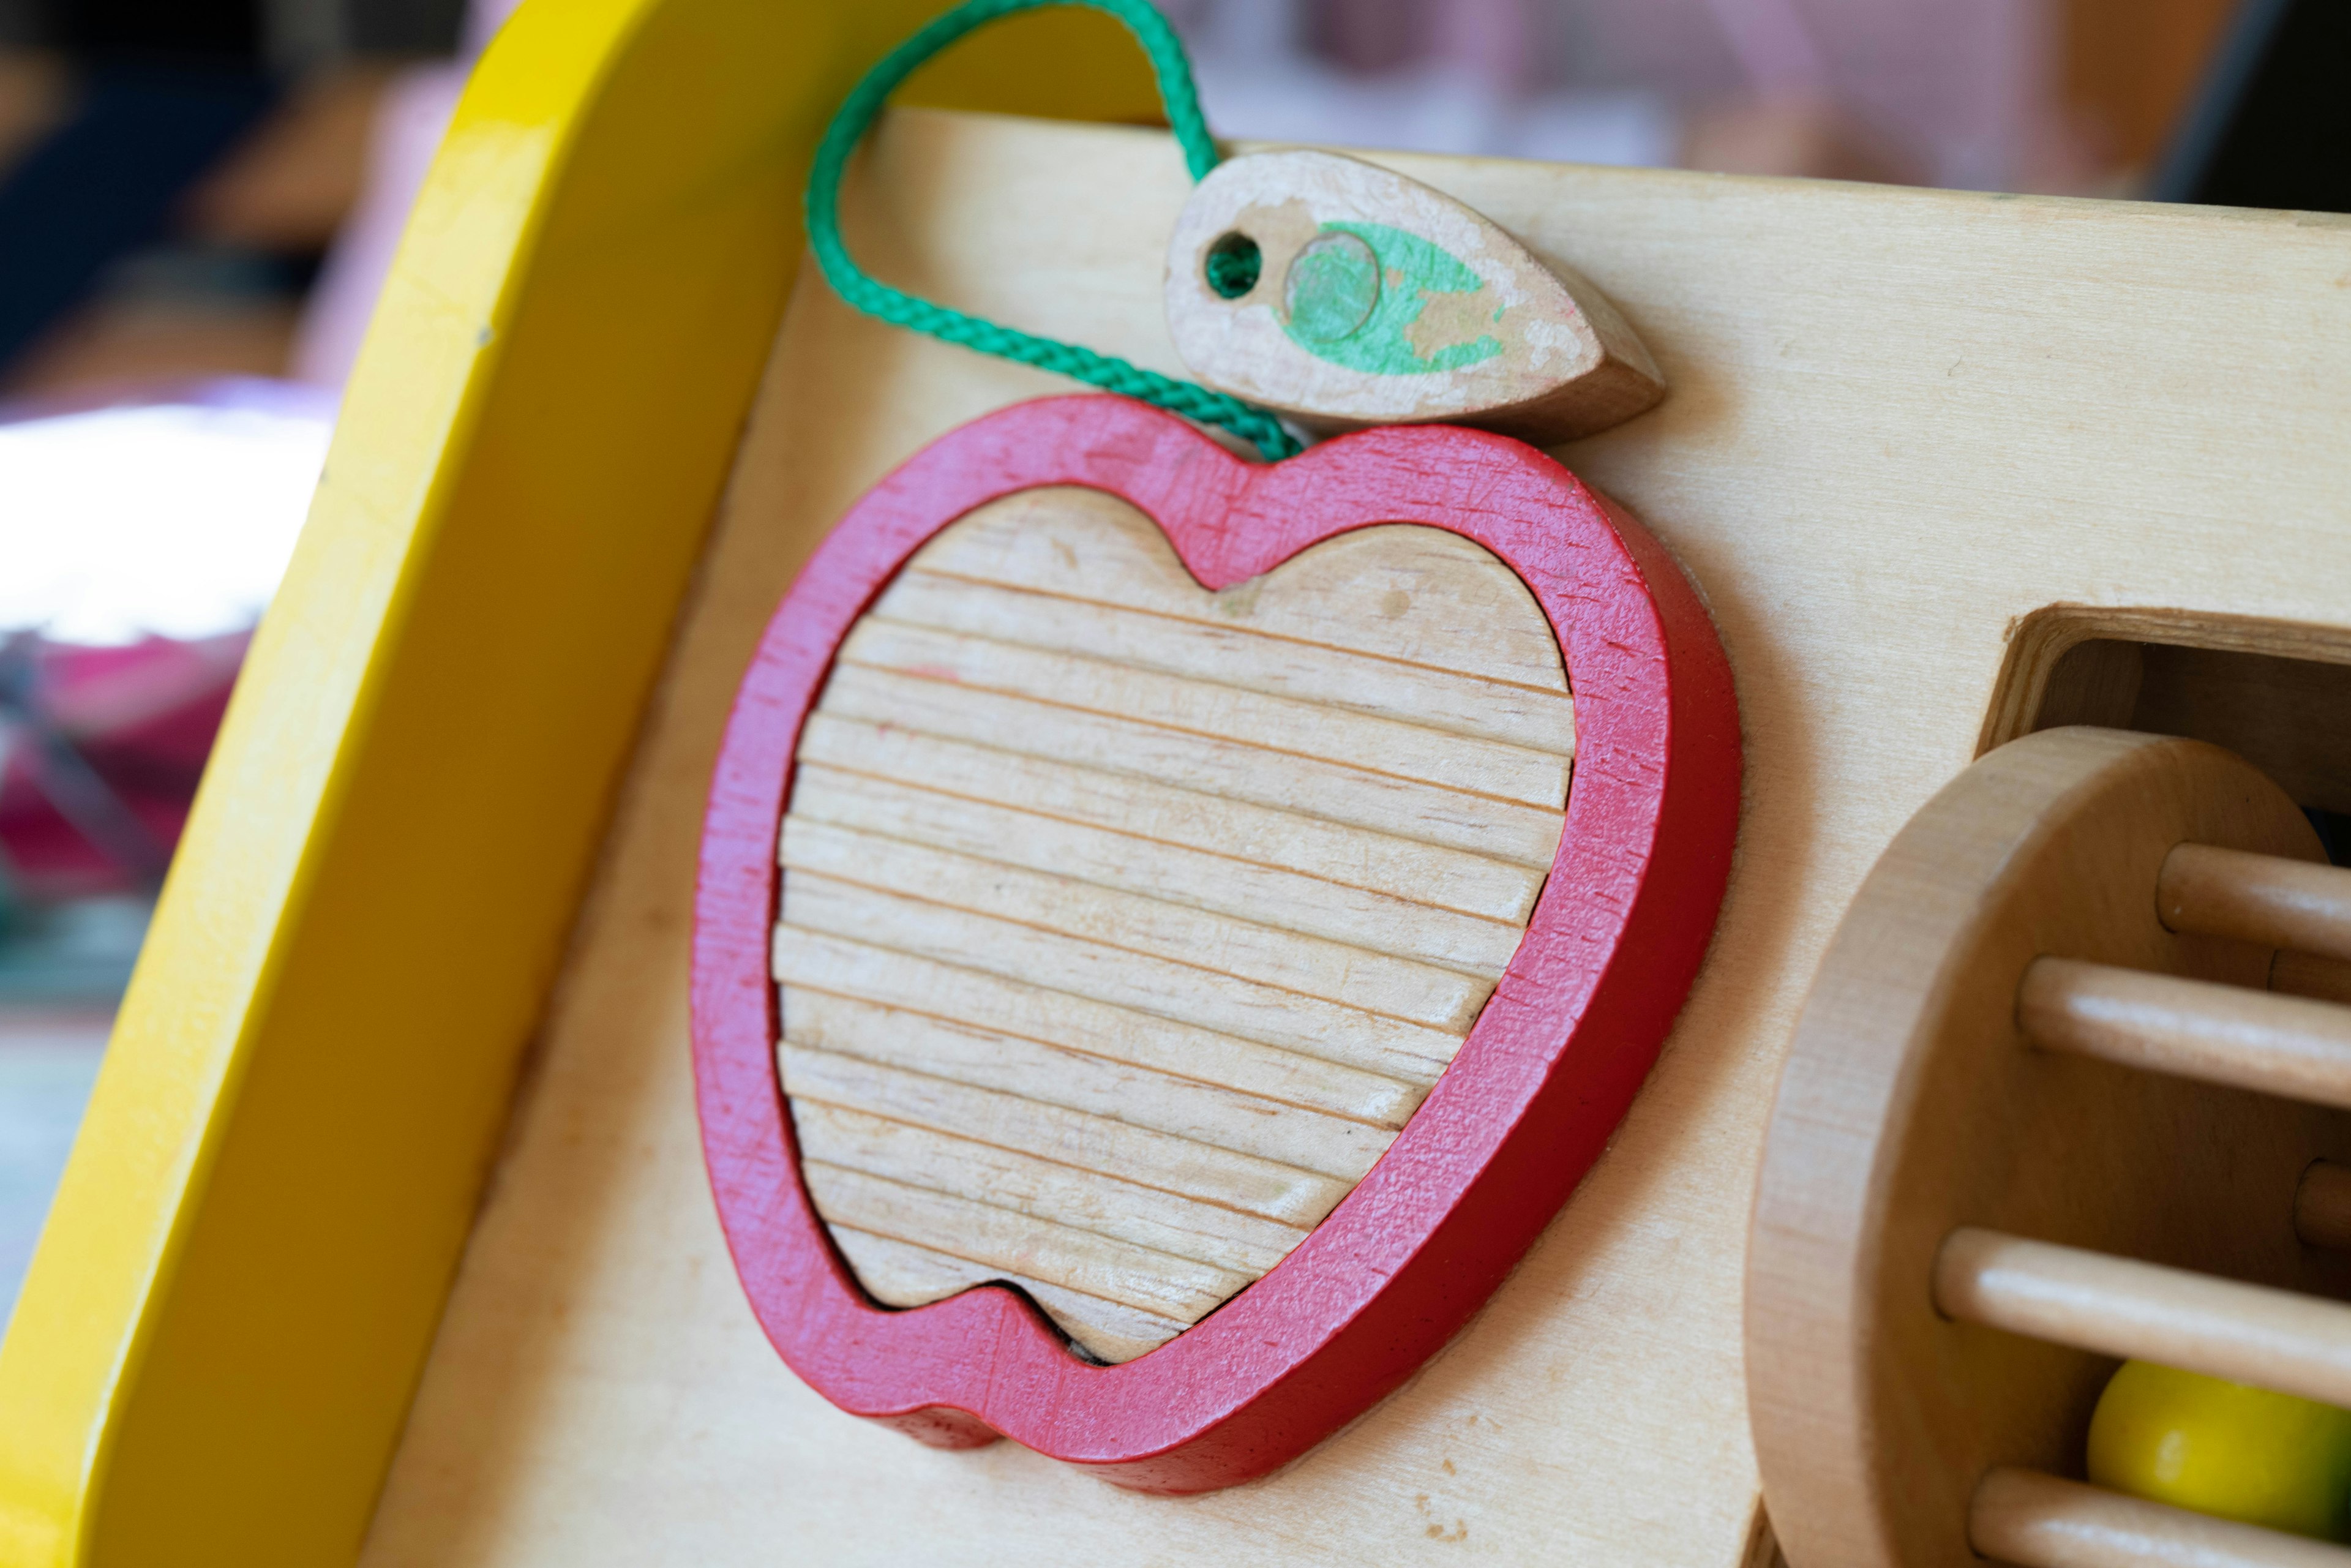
(1154, 975)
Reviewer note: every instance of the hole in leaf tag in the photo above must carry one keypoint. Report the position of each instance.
(1233, 266)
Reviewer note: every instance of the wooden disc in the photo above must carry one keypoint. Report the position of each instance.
(1911, 1105)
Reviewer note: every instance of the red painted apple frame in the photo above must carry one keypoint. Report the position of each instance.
(1510, 1129)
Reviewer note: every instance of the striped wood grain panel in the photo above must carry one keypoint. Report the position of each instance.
(1125, 924)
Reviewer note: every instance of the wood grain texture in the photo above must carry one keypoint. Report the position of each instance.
(1169, 1161)
(1903, 424)
(1379, 300)
(1318, 898)
(1121, 1329)
(2121, 1306)
(2037, 1520)
(1076, 1026)
(1200, 814)
(939, 851)
(1912, 1106)
(1251, 775)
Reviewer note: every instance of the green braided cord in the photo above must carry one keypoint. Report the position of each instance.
(856, 115)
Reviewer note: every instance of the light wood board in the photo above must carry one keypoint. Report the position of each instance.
(1900, 422)
(1087, 987)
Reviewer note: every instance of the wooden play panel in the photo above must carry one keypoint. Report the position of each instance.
(1125, 923)
(1900, 423)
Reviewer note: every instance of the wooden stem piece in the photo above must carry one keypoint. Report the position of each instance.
(2116, 1306)
(2287, 1046)
(2037, 1520)
(2264, 899)
(2322, 1206)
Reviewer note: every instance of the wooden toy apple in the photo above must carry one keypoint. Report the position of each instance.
(1063, 1246)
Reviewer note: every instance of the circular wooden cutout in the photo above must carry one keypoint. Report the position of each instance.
(1911, 1105)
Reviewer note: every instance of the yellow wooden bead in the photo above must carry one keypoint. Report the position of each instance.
(2224, 1448)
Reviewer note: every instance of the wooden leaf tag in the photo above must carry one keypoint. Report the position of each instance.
(1343, 295)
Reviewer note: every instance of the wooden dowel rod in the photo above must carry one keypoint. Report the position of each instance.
(2116, 1306)
(2322, 1206)
(2036, 1521)
(2220, 1034)
(2264, 899)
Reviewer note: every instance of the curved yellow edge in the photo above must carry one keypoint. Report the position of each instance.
(242, 1273)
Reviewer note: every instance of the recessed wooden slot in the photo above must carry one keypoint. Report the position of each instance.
(2277, 694)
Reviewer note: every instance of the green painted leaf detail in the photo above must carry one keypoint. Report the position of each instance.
(1356, 293)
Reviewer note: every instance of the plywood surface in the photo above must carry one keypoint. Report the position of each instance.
(1900, 421)
(1091, 990)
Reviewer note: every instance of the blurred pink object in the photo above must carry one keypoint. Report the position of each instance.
(101, 746)
(142, 718)
(105, 725)
(413, 114)
(1961, 88)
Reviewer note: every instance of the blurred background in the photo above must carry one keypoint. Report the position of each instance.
(199, 200)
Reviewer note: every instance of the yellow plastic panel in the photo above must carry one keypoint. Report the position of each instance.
(250, 1247)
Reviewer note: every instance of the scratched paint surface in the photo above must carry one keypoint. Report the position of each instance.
(1385, 302)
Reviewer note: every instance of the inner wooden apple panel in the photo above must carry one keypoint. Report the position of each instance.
(1125, 923)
